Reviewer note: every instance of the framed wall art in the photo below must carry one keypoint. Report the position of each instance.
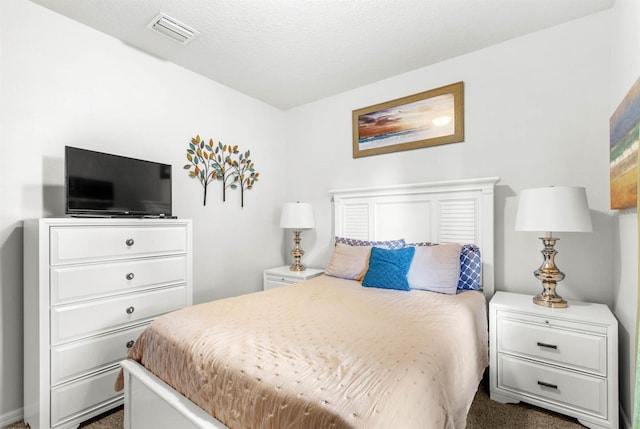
(624, 136)
(428, 118)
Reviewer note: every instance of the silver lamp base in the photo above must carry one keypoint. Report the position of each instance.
(297, 253)
(549, 300)
(549, 275)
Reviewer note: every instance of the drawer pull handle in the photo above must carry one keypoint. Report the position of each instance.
(129, 242)
(130, 310)
(130, 344)
(549, 385)
(130, 276)
(549, 346)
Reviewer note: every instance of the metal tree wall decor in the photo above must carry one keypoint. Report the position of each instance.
(223, 163)
(245, 173)
(209, 162)
(203, 170)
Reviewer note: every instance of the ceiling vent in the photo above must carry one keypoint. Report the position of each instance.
(172, 28)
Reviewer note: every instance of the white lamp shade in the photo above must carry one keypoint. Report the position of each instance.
(297, 216)
(554, 208)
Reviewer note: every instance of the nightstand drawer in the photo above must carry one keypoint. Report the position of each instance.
(277, 281)
(557, 386)
(282, 276)
(578, 350)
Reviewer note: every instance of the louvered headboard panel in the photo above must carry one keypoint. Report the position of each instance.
(459, 211)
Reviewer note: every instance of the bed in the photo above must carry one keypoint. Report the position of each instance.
(329, 352)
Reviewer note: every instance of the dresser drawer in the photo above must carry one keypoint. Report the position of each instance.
(578, 350)
(71, 399)
(78, 282)
(557, 386)
(80, 357)
(71, 322)
(79, 244)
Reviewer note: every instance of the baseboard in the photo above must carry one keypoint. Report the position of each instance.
(625, 423)
(11, 417)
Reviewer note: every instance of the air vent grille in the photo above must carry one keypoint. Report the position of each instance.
(172, 28)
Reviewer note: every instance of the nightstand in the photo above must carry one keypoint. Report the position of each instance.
(565, 360)
(281, 276)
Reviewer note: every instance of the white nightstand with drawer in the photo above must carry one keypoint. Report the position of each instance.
(281, 276)
(565, 360)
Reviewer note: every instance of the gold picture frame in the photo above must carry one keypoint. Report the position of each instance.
(425, 119)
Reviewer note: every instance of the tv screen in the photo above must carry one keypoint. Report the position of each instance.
(103, 184)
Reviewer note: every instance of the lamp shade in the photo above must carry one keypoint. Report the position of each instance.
(297, 216)
(553, 208)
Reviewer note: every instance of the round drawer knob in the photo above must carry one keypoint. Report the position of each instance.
(130, 310)
(129, 242)
(130, 344)
(130, 276)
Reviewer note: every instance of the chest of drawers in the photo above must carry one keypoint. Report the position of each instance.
(564, 360)
(91, 287)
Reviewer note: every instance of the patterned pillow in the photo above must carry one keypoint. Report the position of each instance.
(388, 268)
(470, 266)
(388, 244)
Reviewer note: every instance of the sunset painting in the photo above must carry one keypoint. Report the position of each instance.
(426, 119)
(624, 128)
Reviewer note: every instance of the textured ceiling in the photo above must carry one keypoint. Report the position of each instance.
(291, 52)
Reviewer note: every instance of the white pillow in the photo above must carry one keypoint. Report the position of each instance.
(349, 262)
(435, 268)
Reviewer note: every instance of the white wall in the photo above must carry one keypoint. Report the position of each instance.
(62, 83)
(536, 114)
(625, 70)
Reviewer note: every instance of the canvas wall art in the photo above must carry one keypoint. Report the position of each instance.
(624, 129)
(428, 118)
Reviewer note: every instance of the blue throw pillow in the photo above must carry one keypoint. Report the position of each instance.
(388, 268)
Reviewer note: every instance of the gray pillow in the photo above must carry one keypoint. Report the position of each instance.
(435, 268)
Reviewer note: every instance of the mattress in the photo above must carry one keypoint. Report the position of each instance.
(326, 353)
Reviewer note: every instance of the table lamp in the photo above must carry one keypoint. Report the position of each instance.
(552, 209)
(297, 216)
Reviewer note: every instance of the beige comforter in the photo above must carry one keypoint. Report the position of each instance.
(325, 353)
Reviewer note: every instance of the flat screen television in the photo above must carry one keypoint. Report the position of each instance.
(102, 184)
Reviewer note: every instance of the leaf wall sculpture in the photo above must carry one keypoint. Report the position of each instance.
(209, 162)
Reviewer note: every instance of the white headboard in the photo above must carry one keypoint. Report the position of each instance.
(457, 211)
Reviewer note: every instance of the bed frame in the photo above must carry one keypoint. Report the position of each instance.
(439, 212)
